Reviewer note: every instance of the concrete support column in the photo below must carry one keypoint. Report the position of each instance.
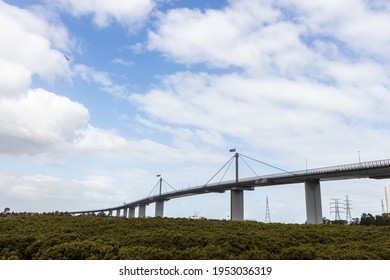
(110, 213)
(159, 208)
(118, 212)
(142, 211)
(313, 202)
(131, 212)
(125, 212)
(236, 205)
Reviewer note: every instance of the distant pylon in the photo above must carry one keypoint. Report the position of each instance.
(348, 208)
(267, 214)
(335, 208)
(383, 207)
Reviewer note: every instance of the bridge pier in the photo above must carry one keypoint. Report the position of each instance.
(110, 213)
(142, 211)
(236, 205)
(118, 212)
(131, 212)
(159, 208)
(313, 202)
(125, 212)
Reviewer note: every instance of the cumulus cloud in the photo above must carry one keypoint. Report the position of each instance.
(38, 121)
(15, 79)
(128, 13)
(100, 78)
(269, 113)
(33, 120)
(358, 25)
(59, 194)
(251, 35)
(29, 41)
(122, 62)
(263, 36)
(299, 88)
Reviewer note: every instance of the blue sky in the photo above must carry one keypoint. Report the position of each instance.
(168, 87)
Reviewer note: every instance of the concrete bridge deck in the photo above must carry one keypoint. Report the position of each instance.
(379, 169)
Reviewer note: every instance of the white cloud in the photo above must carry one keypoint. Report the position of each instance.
(358, 24)
(38, 121)
(26, 192)
(218, 38)
(290, 117)
(102, 79)
(15, 79)
(268, 37)
(129, 13)
(251, 35)
(33, 43)
(309, 81)
(122, 62)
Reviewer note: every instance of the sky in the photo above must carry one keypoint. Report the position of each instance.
(98, 97)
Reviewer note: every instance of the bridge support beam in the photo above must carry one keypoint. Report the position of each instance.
(142, 211)
(125, 212)
(159, 208)
(131, 212)
(118, 212)
(236, 205)
(110, 213)
(313, 202)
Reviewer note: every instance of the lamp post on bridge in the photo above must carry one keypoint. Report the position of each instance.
(159, 175)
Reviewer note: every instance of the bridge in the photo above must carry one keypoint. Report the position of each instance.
(311, 178)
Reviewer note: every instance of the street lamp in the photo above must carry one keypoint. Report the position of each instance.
(159, 175)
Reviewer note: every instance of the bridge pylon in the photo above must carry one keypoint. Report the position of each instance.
(159, 210)
(313, 202)
(236, 197)
(142, 211)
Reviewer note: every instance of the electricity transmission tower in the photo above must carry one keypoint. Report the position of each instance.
(267, 214)
(335, 206)
(348, 208)
(383, 207)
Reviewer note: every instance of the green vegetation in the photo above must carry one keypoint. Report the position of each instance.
(66, 237)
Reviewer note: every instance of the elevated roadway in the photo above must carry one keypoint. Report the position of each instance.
(378, 169)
